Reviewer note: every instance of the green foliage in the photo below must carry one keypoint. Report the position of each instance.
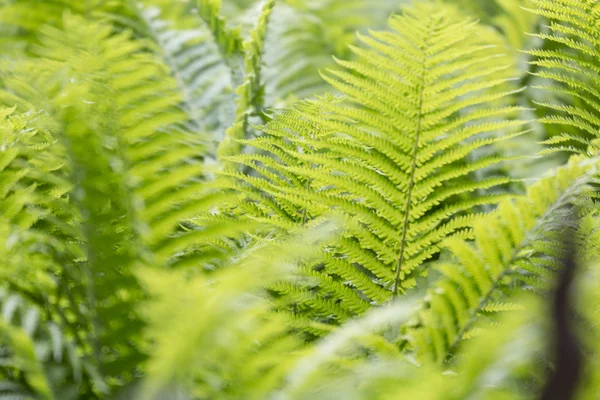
(571, 69)
(306, 37)
(518, 246)
(293, 199)
(397, 185)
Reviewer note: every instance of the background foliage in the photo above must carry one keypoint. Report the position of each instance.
(295, 199)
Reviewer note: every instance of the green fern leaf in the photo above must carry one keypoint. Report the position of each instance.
(390, 157)
(195, 62)
(519, 245)
(570, 69)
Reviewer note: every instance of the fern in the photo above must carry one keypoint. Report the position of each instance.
(304, 36)
(144, 107)
(249, 346)
(196, 64)
(519, 242)
(390, 158)
(136, 265)
(250, 91)
(569, 68)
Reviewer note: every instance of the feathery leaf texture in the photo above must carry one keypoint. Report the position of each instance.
(519, 245)
(390, 157)
(133, 129)
(250, 94)
(570, 69)
(194, 60)
(136, 265)
(42, 255)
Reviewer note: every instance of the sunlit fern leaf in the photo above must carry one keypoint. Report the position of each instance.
(132, 172)
(570, 68)
(518, 245)
(390, 158)
(303, 37)
(167, 171)
(162, 160)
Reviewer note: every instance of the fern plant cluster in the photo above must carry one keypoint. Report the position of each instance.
(289, 199)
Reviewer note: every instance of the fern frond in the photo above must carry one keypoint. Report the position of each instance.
(127, 107)
(55, 360)
(250, 94)
(390, 158)
(303, 37)
(518, 244)
(195, 62)
(569, 69)
(230, 41)
(245, 332)
(24, 359)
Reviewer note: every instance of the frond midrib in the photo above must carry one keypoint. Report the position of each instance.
(413, 166)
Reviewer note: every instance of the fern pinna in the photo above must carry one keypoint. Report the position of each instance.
(389, 157)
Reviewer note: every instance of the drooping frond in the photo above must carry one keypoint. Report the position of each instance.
(518, 245)
(570, 70)
(390, 158)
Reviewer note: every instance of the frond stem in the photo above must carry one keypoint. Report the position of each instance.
(413, 168)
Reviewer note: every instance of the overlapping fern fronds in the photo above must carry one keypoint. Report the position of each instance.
(520, 245)
(306, 34)
(40, 235)
(117, 115)
(390, 157)
(239, 346)
(570, 70)
(187, 48)
(128, 270)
